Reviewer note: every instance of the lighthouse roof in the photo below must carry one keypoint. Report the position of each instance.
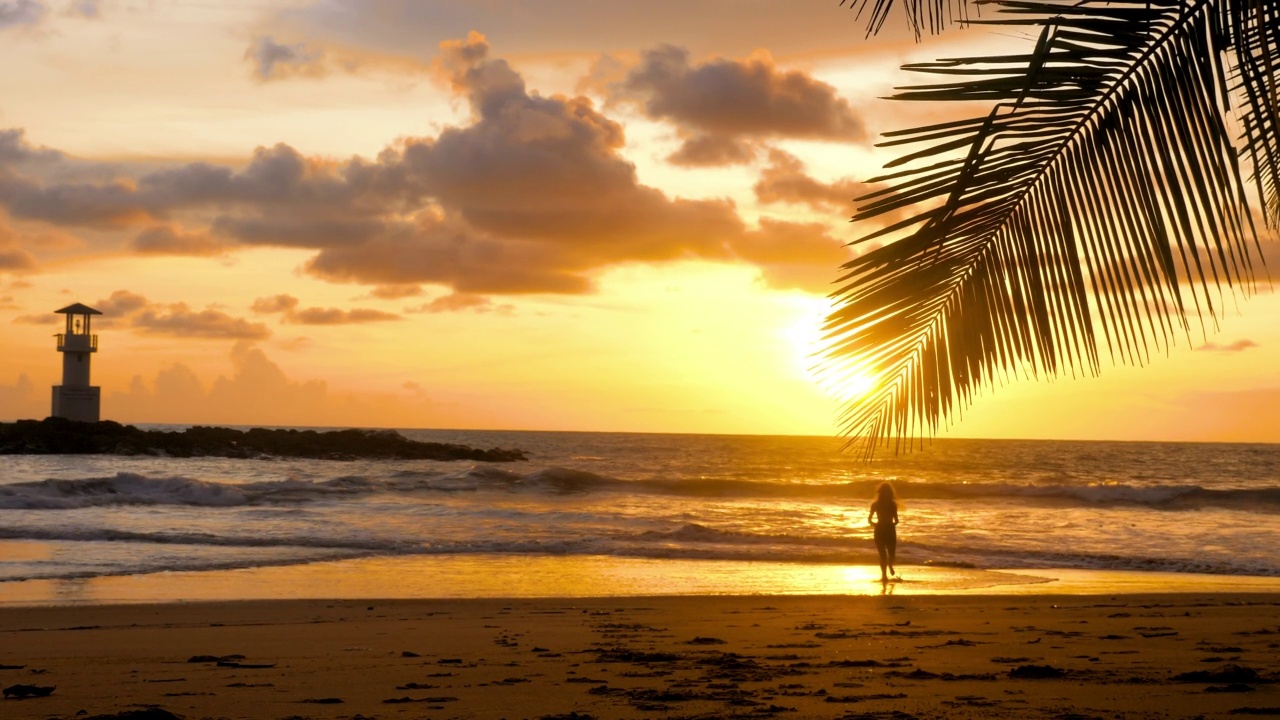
(78, 309)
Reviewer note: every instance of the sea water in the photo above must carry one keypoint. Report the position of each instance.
(668, 502)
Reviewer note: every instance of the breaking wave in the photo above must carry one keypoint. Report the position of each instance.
(137, 489)
(690, 541)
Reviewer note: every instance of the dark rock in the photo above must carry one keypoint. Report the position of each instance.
(863, 698)
(153, 713)
(1036, 672)
(862, 663)
(244, 666)
(27, 691)
(1232, 688)
(1226, 673)
(214, 658)
(635, 656)
(58, 436)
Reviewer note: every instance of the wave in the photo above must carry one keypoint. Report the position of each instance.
(688, 541)
(136, 489)
(1035, 559)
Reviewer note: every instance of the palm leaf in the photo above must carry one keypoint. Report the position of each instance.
(931, 16)
(1255, 30)
(1101, 193)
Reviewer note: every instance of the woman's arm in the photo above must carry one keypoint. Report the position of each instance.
(895, 516)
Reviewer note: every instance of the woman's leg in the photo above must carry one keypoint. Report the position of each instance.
(883, 549)
(891, 545)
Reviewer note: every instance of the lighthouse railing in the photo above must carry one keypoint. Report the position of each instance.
(77, 343)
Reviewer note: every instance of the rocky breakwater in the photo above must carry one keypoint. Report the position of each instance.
(56, 436)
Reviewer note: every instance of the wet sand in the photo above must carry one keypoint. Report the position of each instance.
(1037, 656)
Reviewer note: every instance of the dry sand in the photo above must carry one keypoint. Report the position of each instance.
(1127, 656)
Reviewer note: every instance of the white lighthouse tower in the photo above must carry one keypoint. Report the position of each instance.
(75, 398)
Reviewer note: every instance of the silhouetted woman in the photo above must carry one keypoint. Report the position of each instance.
(884, 516)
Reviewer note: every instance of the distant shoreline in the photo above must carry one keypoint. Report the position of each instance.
(57, 436)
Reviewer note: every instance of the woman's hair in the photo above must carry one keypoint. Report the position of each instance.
(884, 494)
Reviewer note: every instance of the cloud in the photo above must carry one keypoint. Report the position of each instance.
(460, 302)
(38, 319)
(287, 305)
(121, 304)
(15, 259)
(129, 309)
(88, 9)
(532, 195)
(274, 304)
(15, 149)
(1234, 347)
(585, 27)
(258, 391)
(278, 183)
(395, 292)
(21, 14)
(273, 60)
(785, 181)
(23, 400)
(335, 316)
(172, 239)
(721, 107)
(713, 150)
(178, 320)
(108, 205)
(799, 256)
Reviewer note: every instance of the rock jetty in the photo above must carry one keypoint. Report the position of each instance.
(56, 436)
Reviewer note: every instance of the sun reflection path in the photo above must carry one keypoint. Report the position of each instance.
(498, 576)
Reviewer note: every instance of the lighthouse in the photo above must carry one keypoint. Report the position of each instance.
(75, 398)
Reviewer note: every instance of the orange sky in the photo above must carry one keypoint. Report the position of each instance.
(537, 214)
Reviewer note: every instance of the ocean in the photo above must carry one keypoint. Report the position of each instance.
(677, 501)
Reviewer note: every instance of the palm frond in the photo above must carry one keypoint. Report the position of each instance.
(922, 16)
(1102, 192)
(1255, 31)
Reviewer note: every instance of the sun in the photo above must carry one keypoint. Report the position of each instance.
(851, 387)
(845, 383)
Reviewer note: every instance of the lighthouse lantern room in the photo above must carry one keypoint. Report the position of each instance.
(75, 398)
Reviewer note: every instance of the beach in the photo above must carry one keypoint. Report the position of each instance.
(645, 576)
(917, 656)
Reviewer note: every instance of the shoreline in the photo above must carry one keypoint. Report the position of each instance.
(570, 577)
(1210, 655)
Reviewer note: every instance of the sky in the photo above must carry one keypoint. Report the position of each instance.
(530, 214)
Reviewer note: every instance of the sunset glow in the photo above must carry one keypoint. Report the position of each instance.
(441, 215)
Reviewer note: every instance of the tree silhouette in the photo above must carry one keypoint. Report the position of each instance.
(1103, 201)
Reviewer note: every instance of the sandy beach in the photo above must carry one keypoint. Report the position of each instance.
(901, 657)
